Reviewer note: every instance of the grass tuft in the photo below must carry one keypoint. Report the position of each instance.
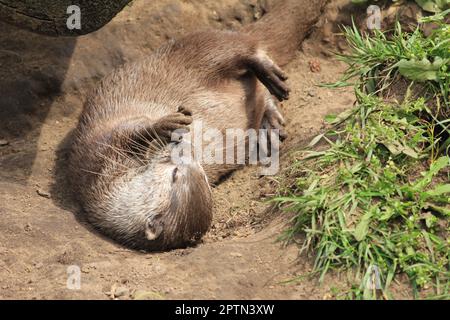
(372, 194)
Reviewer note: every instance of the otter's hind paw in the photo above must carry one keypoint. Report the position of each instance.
(273, 119)
(270, 75)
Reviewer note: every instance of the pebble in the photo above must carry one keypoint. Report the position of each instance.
(3, 142)
(121, 292)
(314, 65)
(311, 93)
(38, 265)
(43, 193)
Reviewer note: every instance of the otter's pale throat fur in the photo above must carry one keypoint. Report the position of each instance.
(120, 164)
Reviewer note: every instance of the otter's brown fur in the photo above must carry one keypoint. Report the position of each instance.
(120, 160)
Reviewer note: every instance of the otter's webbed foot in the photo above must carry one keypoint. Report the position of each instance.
(273, 122)
(270, 75)
(273, 119)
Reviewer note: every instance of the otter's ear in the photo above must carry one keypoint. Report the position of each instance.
(153, 230)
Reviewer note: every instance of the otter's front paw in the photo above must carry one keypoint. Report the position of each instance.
(179, 121)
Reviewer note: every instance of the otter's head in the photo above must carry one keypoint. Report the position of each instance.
(166, 204)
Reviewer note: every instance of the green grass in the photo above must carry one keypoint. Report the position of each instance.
(373, 191)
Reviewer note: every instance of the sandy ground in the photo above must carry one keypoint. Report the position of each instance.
(42, 84)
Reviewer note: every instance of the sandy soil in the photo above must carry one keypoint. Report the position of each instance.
(42, 84)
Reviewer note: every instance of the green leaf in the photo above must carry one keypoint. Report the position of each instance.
(387, 214)
(437, 166)
(329, 118)
(422, 70)
(437, 17)
(439, 190)
(313, 154)
(392, 148)
(442, 210)
(432, 6)
(362, 228)
(341, 117)
(430, 221)
(410, 152)
(316, 140)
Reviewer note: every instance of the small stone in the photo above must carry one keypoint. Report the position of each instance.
(3, 142)
(216, 16)
(168, 290)
(43, 193)
(314, 65)
(236, 254)
(28, 227)
(121, 292)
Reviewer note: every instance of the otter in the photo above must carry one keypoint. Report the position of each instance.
(120, 160)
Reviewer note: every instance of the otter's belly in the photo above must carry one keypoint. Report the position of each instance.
(224, 118)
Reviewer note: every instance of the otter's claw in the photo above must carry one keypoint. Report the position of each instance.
(271, 76)
(184, 110)
(273, 119)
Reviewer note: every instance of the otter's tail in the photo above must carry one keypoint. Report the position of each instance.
(285, 26)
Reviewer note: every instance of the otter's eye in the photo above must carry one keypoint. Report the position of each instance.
(174, 174)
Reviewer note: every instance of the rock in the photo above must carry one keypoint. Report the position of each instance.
(327, 296)
(121, 292)
(38, 265)
(50, 17)
(314, 65)
(43, 193)
(236, 254)
(311, 93)
(3, 142)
